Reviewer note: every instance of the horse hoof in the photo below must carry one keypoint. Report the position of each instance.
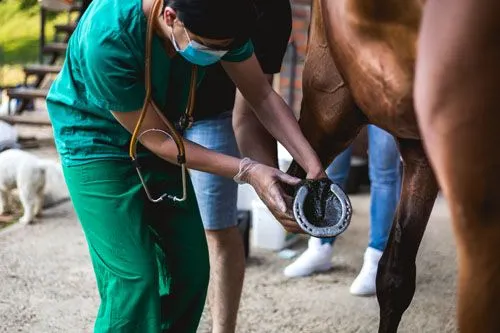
(321, 208)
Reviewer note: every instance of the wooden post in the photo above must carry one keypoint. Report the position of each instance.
(43, 14)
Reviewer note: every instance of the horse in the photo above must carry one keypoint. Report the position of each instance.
(360, 69)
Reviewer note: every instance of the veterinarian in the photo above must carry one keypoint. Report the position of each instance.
(217, 196)
(150, 259)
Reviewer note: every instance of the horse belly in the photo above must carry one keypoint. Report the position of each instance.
(385, 95)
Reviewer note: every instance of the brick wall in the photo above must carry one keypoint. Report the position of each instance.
(290, 83)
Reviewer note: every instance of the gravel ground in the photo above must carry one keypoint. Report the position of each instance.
(48, 283)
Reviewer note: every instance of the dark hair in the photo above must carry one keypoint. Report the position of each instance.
(217, 19)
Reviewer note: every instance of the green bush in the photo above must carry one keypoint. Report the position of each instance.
(25, 4)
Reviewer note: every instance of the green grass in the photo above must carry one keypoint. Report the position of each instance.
(19, 38)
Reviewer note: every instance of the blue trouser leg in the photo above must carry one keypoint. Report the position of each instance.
(385, 178)
(338, 172)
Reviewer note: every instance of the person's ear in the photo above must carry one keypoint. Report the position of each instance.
(169, 15)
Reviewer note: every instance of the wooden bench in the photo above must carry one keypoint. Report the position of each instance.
(41, 69)
(75, 7)
(65, 28)
(29, 93)
(54, 51)
(22, 120)
(24, 94)
(55, 48)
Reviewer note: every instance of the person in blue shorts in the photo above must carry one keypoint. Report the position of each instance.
(216, 195)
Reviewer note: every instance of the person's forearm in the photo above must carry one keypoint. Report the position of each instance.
(199, 158)
(253, 139)
(273, 113)
(279, 120)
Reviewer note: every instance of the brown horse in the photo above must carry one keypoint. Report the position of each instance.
(360, 69)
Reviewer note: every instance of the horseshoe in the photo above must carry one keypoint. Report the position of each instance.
(333, 228)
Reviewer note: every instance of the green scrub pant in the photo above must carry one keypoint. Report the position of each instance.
(150, 260)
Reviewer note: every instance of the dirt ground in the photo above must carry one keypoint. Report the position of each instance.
(47, 283)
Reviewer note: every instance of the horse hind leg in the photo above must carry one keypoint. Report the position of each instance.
(397, 269)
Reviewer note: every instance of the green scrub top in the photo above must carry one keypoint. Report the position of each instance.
(104, 71)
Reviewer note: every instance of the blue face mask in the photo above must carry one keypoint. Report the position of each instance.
(197, 53)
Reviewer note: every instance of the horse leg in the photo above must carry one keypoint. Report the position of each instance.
(321, 127)
(457, 101)
(329, 117)
(397, 270)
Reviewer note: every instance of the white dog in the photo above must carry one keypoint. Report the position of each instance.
(39, 183)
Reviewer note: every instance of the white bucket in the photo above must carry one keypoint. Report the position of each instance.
(267, 232)
(246, 194)
(284, 158)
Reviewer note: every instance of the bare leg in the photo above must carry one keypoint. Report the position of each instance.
(457, 100)
(246, 124)
(217, 202)
(227, 267)
(396, 272)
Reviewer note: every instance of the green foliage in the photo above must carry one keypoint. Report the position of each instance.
(25, 4)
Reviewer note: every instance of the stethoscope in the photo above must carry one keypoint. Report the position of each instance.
(185, 120)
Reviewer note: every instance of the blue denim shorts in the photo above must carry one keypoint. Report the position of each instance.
(217, 196)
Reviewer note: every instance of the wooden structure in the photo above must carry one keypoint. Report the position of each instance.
(51, 56)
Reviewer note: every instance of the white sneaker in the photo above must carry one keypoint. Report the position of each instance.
(317, 258)
(364, 284)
